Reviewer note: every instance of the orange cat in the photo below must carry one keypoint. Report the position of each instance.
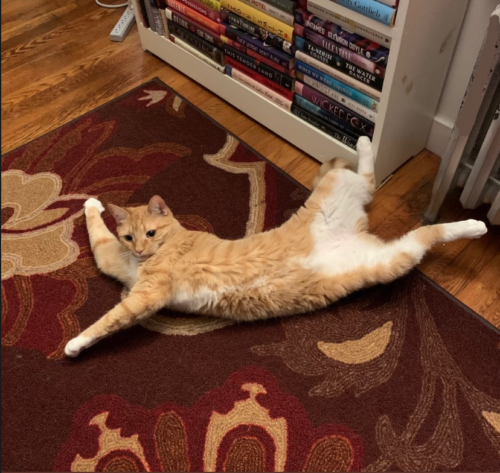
(321, 254)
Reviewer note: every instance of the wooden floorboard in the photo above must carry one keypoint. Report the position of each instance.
(58, 63)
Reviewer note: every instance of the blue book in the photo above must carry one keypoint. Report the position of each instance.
(372, 9)
(337, 85)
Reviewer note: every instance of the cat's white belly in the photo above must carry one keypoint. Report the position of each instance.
(193, 301)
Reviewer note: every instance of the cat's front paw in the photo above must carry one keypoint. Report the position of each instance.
(363, 144)
(76, 345)
(93, 203)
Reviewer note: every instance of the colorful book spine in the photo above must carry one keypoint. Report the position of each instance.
(270, 10)
(254, 30)
(275, 55)
(196, 53)
(351, 41)
(195, 28)
(338, 63)
(259, 88)
(194, 15)
(337, 85)
(341, 116)
(259, 18)
(344, 53)
(213, 4)
(330, 130)
(334, 95)
(164, 24)
(202, 9)
(200, 44)
(372, 9)
(288, 94)
(346, 23)
(266, 71)
(284, 5)
(256, 56)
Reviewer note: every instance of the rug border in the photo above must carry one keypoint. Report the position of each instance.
(157, 80)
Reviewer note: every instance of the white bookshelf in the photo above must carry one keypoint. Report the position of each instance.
(422, 43)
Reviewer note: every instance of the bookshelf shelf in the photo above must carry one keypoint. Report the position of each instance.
(422, 43)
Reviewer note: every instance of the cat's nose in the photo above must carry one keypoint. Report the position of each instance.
(139, 252)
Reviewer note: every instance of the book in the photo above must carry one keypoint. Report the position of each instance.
(337, 85)
(259, 88)
(156, 18)
(338, 63)
(143, 13)
(284, 5)
(333, 112)
(202, 9)
(274, 54)
(372, 9)
(333, 94)
(195, 41)
(288, 94)
(193, 27)
(259, 18)
(164, 19)
(336, 74)
(347, 23)
(330, 130)
(213, 4)
(271, 10)
(258, 57)
(149, 12)
(254, 64)
(254, 30)
(196, 53)
(348, 55)
(352, 41)
(391, 3)
(194, 15)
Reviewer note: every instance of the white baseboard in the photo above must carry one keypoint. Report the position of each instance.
(439, 135)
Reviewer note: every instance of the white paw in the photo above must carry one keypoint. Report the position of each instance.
(466, 229)
(363, 144)
(76, 345)
(93, 203)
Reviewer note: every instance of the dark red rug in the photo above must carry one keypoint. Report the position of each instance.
(398, 377)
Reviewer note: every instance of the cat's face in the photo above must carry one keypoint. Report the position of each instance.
(142, 230)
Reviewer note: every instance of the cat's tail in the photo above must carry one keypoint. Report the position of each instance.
(335, 163)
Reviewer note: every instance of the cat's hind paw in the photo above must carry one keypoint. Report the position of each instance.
(465, 229)
(93, 203)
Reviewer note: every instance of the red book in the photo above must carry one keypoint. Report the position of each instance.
(288, 94)
(194, 15)
(202, 9)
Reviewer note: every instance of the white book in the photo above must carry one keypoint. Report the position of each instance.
(270, 10)
(340, 98)
(316, 7)
(355, 84)
(187, 47)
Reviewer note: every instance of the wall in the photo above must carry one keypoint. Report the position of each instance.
(468, 45)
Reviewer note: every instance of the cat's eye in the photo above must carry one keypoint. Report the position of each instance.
(128, 237)
(151, 233)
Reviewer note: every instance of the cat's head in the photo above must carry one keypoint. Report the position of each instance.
(142, 230)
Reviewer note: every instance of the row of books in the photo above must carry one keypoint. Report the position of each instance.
(315, 68)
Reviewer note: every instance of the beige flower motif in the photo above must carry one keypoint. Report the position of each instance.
(36, 238)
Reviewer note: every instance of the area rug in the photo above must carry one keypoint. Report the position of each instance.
(398, 377)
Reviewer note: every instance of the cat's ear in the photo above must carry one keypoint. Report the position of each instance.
(119, 213)
(157, 206)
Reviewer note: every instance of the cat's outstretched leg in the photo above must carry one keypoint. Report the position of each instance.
(143, 300)
(403, 254)
(111, 257)
(366, 164)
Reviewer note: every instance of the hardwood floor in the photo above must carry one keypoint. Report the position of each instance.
(58, 63)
